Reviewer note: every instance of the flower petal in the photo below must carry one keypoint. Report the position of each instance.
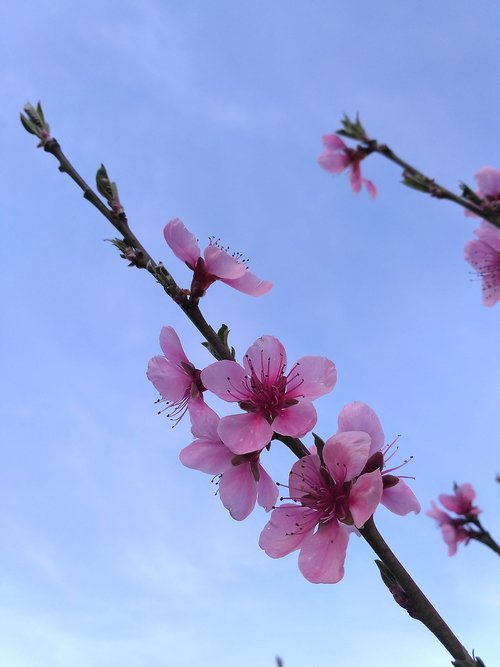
(333, 142)
(311, 377)
(285, 531)
(345, 454)
(227, 380)
(171, 346)
(267, 491)
(370, 186)
(245, 433)
(322, 555)
(171, 381)
(297, 420)
(334, 163)
(358, 416)
(238, 491)
(182, 242)
(204, 421)
(219, 263)
(400, 499)
(206, 455)
(266, 358)
(355, 177)
(364, 497)
(249, 284)
(305, 476)
(488, 181)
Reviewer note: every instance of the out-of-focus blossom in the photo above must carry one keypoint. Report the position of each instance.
(452, 529)
(338, 156)
(330, 495)
(484, 256)
(461, 500)
(242, 479)
(272, 399)
(216, 263)
(174, 376)
(488, 182)
(397, 495)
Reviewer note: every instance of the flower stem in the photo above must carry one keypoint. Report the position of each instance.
(426, 184)
(483, 535)
(417, 605)
(142, 259)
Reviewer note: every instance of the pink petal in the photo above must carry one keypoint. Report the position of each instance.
(285, 531)
(305, 476)
(208, 456)
(204, 421)
(238, 491)
(333, 142)
(245, 433)
(370, 186)
(334, 163)
(182, 242)
(489, 234)
(460, 501)
(219, 263)
(488, 180)
(438, 514)
(171, 381)
(322, 555)
(486, 261)
(266, 358)
(355, 177)
(267, 491)
(364, 497)
(450, 537)
(249, 284)
(345, 454)
(400, 499)
(171, 346)
(311, 377)
(227, 380)
(358, 416)
(297, 420)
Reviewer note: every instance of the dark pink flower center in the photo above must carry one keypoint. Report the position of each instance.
(325, 498)
(266, 392)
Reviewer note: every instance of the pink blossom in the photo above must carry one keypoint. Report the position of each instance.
(461, 500)
(488, 181)
(174, 376)
(338, 156)
(242, 479)
(452, 530)
(330, 495)
(272, 399)
(396, 496)
(216, 263)
(484, 256)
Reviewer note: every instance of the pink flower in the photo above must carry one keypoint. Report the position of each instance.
(174, 376)
(272, 400)
(484, 256)
(338, 156)
(461, 500)
(216, 263)
(452, 530)
(396, 496)
(242, 479)
(330, 496)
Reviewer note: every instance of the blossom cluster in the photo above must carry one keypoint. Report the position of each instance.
(454, 530)
(334, 488)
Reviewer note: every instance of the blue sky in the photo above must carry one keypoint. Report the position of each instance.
(112, 553)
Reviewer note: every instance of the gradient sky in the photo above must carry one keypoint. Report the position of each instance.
(114, 555)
